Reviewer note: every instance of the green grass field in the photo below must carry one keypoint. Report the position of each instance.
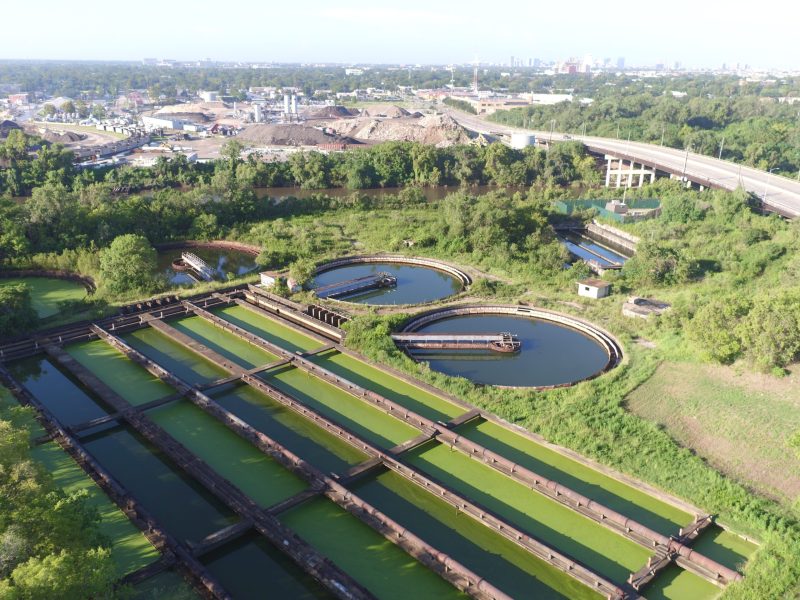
(741, 423)
(48, 292)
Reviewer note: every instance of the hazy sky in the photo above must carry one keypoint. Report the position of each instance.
(694, 32)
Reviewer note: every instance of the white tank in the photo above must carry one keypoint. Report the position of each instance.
(522, 140)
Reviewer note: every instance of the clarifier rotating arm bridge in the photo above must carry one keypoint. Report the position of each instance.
(496, 342)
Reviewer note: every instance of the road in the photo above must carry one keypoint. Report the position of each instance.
(779, 194)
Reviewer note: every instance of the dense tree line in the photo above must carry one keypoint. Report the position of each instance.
(97, 80)
(77, 212)
(745, 128)
(29, 164)
(50, 545)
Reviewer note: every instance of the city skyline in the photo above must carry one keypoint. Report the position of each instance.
(696, 36)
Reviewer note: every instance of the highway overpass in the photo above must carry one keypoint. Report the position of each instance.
(778, 194)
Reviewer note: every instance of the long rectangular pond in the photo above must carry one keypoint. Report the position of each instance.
(251, 569)
(353, 413)
(608, 553)
(377, 564)
(487, 553)
(636, 504)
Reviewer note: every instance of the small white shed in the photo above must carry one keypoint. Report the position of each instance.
(594, 288)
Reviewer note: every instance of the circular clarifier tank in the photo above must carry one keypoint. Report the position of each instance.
(550, 350)
(388, 280)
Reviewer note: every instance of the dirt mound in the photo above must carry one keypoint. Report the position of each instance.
(437, 130)
(389, 111)
(291, 134)
(331, 112)
(62, 137)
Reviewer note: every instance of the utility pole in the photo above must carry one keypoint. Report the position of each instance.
(663, 129)
(721, 146)
(552, 127)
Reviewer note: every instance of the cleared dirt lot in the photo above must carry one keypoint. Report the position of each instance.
(739, 422)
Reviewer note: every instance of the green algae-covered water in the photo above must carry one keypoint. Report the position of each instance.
(499, 560)
(118, 372)
(227, 344)
(47, 293)
(251, 569)
(608, 553)
(168, 584)
(299, 435)
(269, 329)
(676, 584)
(238, 461)
(62, 396)
(130, 549)
(633, 503)
(353, 413)
(180, 504)
(725, 547)
(185, 364)
(404, 393)
(377, 564)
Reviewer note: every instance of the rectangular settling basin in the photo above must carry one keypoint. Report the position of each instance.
(597, 547)
(377, 564)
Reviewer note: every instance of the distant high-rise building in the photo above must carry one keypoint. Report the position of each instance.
(537, 63)
(621, 62)
(511, 64)
(530, 62)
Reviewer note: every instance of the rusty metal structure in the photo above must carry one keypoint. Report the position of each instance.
(351, 287)
(496, 342)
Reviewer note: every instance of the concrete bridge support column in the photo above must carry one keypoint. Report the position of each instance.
(608, 170)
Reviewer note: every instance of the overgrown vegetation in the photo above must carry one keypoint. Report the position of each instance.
(50, 545)
(16, 310)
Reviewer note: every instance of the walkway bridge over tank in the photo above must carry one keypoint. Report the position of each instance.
(357, 285)
(198, 266)
(496, 342)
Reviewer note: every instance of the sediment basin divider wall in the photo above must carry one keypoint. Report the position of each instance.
(483, 515)
(169, 546)
(529, 543)
(557, 492)
(561, 494)
(570, 454)
(447, 567)
(452, 270)
(337, 582)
